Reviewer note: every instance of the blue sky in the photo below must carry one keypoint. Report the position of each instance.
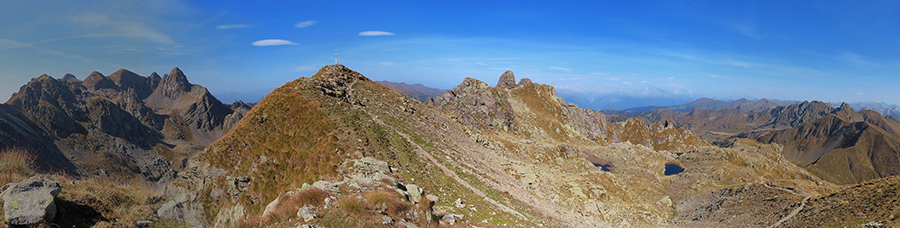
(798, 50)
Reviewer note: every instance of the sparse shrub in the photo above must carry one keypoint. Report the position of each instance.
(388, 201)
(311, 196)
(15, 165)
(16, 160)
(352, 205)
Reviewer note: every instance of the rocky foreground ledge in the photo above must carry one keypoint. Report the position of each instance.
(30, 202)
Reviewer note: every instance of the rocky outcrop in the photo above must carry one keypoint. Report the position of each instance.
(478, 104)
(119, 125)
(507, 81)
(30, 202)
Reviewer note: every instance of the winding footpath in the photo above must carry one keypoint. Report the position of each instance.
(795, 211)
(447, 171)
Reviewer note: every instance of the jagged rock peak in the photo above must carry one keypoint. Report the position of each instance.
(507, 80)
(96, 74)
(525, 81)
(175, 80)
(123, 73)
(154, 75)
(69, 78)
(97, 81)
(340, 72)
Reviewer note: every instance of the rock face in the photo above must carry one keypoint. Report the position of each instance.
(507, 81)
(31, 201)
(120, 125)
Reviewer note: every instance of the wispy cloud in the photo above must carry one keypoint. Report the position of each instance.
(376, 33)
(598, 73)
(855, 60)
(272, 42)
(626, 83)
(614, 79)
(128, 28)
(717, 76)
(747, 29)
(304, 24)
(562, 69)
(234, 26)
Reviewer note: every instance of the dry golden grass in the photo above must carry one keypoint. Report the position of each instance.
(15, 165)
(389, 201)
(91, 202)
(287, 208)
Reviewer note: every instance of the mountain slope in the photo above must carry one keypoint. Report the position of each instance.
(512, 154)
(102, 126)
(840, 144)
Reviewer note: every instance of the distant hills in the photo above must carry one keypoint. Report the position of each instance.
(123, 125)
(715, 105)
(840, 144)
(617, 99)
(416, 91)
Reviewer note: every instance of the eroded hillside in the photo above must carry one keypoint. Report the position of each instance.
(514, 154)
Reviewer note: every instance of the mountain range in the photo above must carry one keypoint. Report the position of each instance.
(123, 125)
(840, 144)
(337, 149)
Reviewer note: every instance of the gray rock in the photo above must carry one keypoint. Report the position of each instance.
(507, 80)
(306, 213)
(450, 219)
(30, 201)
(227, 216)
(143, 223)
(414, 193)
(459, 203)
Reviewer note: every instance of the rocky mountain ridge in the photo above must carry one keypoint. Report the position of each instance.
(839, 144)
(123, 125)
(510, 154)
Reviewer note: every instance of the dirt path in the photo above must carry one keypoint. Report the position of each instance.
(447, 171)
(795, 211)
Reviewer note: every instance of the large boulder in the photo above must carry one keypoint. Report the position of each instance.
(30, 201)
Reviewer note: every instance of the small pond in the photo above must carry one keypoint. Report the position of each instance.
(672, 169)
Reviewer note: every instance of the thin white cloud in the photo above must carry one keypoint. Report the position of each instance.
(598, 73)
(133, 29)
(560, 68)
(614, 79)
(671, 78)
(626, 83)
(855, 60)
(234, 26)
(859, 93)
(376, 33)
(304, 24)
(272, 42)
(645, 81)
(747, 29)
